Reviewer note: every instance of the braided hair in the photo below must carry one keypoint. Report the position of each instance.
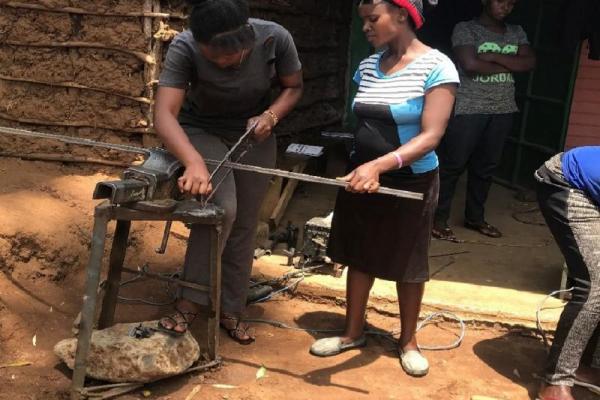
(221, 24)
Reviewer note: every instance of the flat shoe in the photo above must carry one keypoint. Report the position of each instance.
(413, 363)
(333, 346)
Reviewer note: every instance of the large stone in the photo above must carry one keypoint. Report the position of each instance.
(114, 356)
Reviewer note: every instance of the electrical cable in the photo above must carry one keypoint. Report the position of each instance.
(301, 275)
(388, 335)
(541, 308)
(140, 276)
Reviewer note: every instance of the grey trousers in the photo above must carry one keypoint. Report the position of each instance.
(574, 220)
(240, 195)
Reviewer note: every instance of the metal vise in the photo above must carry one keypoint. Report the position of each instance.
(154, 179)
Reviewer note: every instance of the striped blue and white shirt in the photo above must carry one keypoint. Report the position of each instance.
(389, 107)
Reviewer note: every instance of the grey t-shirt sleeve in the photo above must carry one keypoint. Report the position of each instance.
(520, 35)
(177, 68)
(462, 35)
(287, 61)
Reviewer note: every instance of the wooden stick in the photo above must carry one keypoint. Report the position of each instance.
(202, 367)
(75, 44)
(65, 159)
(81, 11)
(286, 196)
(153, 49)
(77, 124)
(144, 100)
(111, 393)
(109, 386)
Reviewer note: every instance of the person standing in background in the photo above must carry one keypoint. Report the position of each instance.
(488, 51)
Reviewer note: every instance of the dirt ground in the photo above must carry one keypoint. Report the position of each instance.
(47, 210)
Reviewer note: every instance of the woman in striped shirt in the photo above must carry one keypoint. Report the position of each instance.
(404, 101)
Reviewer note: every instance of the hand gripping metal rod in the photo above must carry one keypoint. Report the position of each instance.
(219, 164)
(312, 179)
(167, 232)
(232, 150)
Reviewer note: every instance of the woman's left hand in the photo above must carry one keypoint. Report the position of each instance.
(364, 179)
(264, 126)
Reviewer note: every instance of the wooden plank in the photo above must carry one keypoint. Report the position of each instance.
(585, 61)
(588, 119)
(271, 198)
(585, 107)
(285, 198)
(588, 84)
(586, 95)
(578, 141)
(583, 130)
(588, 72)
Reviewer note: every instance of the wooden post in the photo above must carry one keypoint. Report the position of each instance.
(151, 71)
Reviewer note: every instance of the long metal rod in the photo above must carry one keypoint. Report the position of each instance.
(233, 149)
(221, 163)
(311, 178)
(74, 140)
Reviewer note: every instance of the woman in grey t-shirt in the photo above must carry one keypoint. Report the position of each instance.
(216, 82)
(488, 52)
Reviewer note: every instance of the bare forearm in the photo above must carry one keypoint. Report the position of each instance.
(286, 101)
(481, 67)
(515, 63)
(175, 139)
(413, 150)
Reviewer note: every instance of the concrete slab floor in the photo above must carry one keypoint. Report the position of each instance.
(496, 280)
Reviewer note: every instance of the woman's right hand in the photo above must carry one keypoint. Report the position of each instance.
(195, 179)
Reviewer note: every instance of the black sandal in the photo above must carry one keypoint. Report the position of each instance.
(444, 233)
(240, 333)
(183, 322)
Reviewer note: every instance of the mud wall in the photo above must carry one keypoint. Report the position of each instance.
(88, 68)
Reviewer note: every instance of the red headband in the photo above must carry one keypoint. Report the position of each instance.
(412, 11)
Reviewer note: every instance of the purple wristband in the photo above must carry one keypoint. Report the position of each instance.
(398, 159)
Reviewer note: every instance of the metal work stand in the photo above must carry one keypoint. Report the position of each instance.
(189, 212)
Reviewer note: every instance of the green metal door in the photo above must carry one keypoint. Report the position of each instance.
(544, 95)
(359, 50)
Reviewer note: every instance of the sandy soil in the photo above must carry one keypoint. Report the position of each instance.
(44, 240)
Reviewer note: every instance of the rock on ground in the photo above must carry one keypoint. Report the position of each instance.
(114, 356)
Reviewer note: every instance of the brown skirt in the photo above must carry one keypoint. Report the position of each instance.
(385, 236)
